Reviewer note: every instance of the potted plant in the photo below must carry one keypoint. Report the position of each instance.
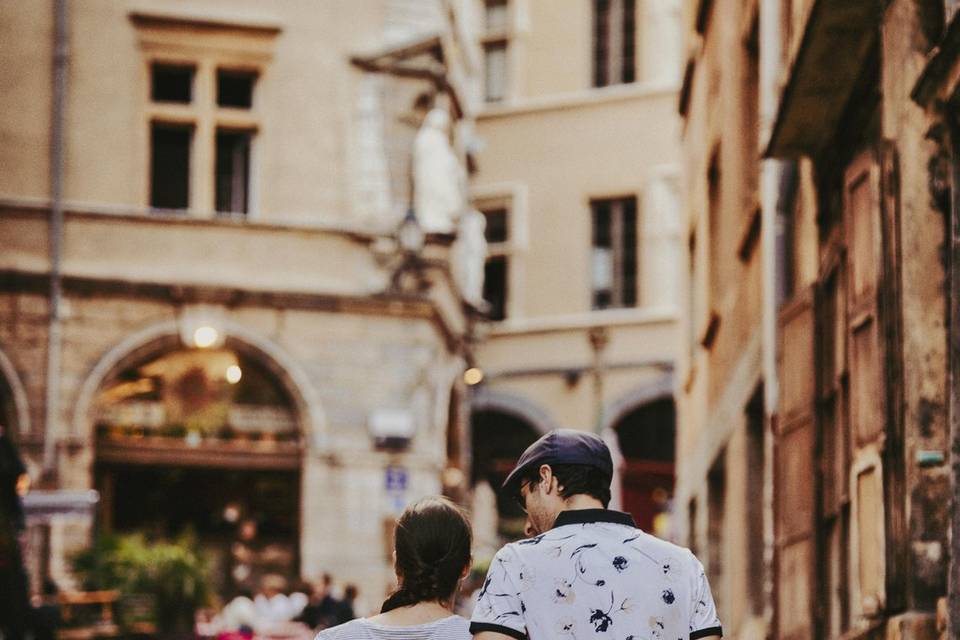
(174, 574)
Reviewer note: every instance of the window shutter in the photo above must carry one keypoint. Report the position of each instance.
(868, 397)
(794, 465)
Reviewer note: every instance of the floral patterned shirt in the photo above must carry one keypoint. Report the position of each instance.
(595, 575)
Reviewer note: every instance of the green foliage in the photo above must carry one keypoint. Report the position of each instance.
(175, 574)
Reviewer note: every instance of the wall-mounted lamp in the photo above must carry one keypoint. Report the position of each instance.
(408, 274)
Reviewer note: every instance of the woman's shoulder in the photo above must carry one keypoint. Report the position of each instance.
(355, 629)
(452, 628)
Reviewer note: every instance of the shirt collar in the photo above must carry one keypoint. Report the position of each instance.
(588, 516)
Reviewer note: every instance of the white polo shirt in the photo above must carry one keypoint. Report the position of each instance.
(595, 575)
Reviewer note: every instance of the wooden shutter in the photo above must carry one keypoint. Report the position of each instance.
(868, 411)
(794, 466)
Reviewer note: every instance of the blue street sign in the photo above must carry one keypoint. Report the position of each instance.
(395, 479)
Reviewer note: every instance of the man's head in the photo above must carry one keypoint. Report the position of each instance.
(561, 468)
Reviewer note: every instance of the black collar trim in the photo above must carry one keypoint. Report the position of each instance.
(587, 516)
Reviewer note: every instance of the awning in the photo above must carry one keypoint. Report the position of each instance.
(837, 41)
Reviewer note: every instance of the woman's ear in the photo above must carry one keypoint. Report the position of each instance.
(466, 568)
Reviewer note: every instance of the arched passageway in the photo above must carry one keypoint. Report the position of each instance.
(647, 439)
(208, 441)
(497, 440)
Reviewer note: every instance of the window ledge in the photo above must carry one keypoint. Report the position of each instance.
(583, 98)
(40, 206)
(606, 318)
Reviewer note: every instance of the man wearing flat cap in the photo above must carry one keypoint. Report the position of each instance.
(587, 571)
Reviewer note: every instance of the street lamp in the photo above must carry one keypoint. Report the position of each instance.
(410, 234)
(408, 274)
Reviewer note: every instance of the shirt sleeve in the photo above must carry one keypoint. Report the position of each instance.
(704, 620)
(499, 607)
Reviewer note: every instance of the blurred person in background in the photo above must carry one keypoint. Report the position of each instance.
(321, 610)
(431, 558)
(345, 608)
(14, 599)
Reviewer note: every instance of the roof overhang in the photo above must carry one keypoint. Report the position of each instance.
(836, 43)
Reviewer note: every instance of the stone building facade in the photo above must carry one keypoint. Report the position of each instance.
(816, 395)
(206, 313)
(579, 179)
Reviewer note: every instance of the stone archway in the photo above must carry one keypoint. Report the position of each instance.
(13, 399)
(501, 427)
(485, 399)
(644, 422)
(167, 422)
(153, 338)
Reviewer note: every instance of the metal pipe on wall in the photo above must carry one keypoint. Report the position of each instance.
(770, 63)
(54, 329)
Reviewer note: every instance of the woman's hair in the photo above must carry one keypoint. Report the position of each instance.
(432, 543)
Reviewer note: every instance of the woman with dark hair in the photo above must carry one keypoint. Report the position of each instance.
(432, 556)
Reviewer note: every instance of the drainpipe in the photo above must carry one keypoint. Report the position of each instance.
(770, 43)
(54, 337)
(953, 379)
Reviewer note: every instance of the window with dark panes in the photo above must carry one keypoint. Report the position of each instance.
(232, 171)
(716, 515)
(614, 34)
(614, 253)
(496, 271)
(496, 230)
(495, 286)
(171, 83)
(235, 88)
(169, 166)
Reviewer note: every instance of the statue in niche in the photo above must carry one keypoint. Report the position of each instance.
(470, 256)
(438, 177)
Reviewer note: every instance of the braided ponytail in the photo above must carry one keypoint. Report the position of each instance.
(432, 544)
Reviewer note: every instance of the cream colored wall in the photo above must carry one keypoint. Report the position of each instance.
(551, 46)
(563, 157)
(25, 99)
(304, 101)
(553, 145)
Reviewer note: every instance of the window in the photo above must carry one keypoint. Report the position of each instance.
(181, 126)
(171, 83)
(169, 166)
(716, 514)
(496, 270)
(235, 89)
(495, 71)
(614, 254)
(232, 171)
(754, 500)
(714, 213)
(614, 26)
(497, 28)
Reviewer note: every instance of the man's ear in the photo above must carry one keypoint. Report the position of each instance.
(546, 478)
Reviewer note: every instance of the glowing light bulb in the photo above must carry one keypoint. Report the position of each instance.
(205, 337)
(234, 374)
(472, 376)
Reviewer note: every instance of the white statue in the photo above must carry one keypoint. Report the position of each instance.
(438, 177)
(470, 256)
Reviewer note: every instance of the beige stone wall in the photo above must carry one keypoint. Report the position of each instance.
(353, 365)
(553, 144)
(306, 165)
